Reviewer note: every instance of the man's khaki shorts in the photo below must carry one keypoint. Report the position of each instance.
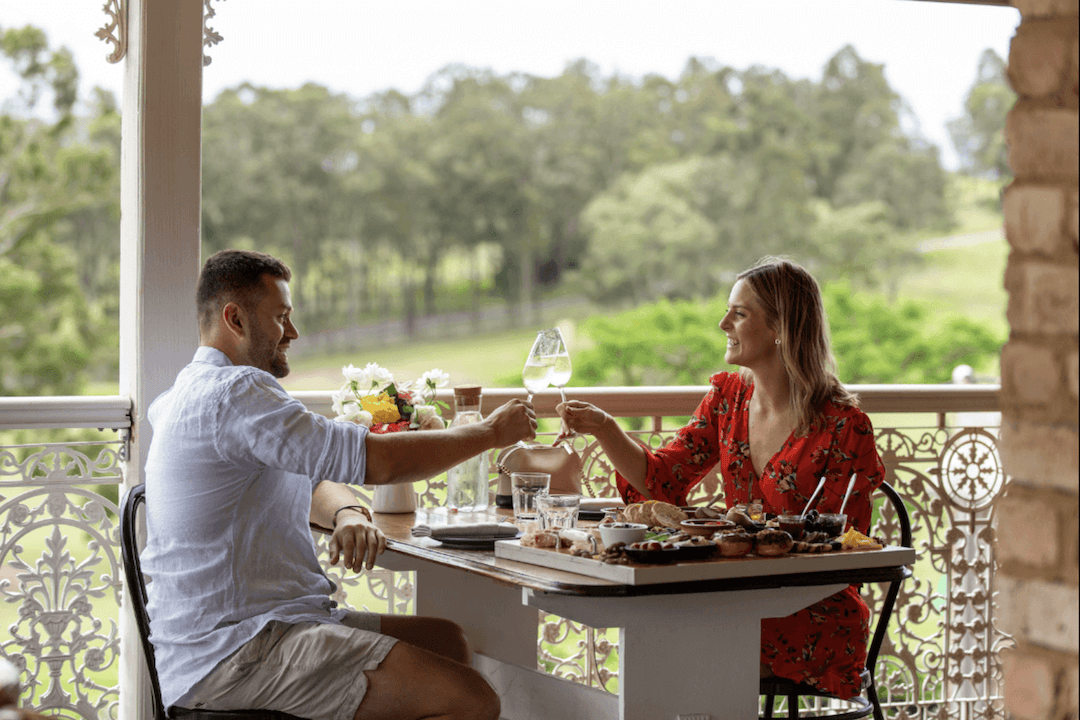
(312, 670)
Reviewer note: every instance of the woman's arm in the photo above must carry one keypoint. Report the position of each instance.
(668, 473)
(626, 454)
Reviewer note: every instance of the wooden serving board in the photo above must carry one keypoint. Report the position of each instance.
(717, 568)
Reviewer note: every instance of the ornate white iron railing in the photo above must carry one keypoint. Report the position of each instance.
(60, 576)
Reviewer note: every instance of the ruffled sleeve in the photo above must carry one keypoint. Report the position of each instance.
(675, 468)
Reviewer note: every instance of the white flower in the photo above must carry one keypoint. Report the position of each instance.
(435, 378)
(380, 377)
(340, 397)
(422, 412)
(432, 380)
(355, 374)
(427, 417)
(349, 410)
(353, 412)
(432, 422)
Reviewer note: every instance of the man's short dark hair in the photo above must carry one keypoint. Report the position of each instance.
(234, 276)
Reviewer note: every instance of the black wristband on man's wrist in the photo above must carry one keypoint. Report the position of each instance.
(361, 508)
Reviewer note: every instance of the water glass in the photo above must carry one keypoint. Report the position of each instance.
(525, 488)
(558, 512)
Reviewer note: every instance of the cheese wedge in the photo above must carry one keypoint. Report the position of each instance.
(853, 539)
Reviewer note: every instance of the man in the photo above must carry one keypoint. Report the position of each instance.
(239, 606)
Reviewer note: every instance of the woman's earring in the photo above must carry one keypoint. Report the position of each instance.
(777, 341)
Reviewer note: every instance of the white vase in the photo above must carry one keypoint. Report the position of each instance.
(399, 498)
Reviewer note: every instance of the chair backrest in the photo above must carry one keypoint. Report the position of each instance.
(886, 609)
(129, 550)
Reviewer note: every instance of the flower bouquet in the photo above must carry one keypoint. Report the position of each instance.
(372, 398)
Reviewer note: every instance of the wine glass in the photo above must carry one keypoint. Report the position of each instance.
(560, 376)
(536, 375)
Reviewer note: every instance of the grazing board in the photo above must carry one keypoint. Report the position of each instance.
(716, 568)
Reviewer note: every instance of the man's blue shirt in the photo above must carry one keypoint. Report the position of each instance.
(229, 476)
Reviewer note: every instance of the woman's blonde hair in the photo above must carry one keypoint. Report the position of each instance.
(791, 300)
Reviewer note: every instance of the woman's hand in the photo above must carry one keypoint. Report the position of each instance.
(356, 542)
(581, 417)
(626, 454)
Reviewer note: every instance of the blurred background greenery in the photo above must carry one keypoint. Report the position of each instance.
(444, 227)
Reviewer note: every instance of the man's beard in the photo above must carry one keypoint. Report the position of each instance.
(278, 367)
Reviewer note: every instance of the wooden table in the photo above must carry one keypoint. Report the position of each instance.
(687, 650)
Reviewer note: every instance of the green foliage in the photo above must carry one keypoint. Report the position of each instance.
(821, 170)
(880, 342)
(979, 134)
(663, 343)
(875, 341)
(480, 188)
(860, 243)
(47, 330)
(638, 189)
(40, 69)
(55, 187)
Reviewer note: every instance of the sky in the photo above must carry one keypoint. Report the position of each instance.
(930, 50)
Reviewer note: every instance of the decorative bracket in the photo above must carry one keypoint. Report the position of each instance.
(211, 37)
(125, 445)
(116, 29)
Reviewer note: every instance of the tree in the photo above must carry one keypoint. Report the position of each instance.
(677, 230)
(906, 176)
(49, 331)
(860, 243)
(661, 343)
(874, 340)
(877, 341)
(979, 134)
(272, 163)
(856, 110)
(646, 232)
(481, 158)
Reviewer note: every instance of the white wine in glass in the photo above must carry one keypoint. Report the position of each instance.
(560, 376)
(536, 375)
(560, 372)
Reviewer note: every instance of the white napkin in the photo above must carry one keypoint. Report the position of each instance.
(596, 504)
(437, 530)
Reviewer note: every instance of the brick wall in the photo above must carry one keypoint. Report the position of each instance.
(1037, 530)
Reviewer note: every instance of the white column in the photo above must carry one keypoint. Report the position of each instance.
(159, 237)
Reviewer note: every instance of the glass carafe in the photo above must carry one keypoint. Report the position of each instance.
(467, 483)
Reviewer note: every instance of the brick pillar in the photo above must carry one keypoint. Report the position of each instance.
(1037, 528)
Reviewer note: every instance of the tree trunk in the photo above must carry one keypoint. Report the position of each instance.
(430, 268)
(409, 294)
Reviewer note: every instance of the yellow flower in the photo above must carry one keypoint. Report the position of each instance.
(381, 407)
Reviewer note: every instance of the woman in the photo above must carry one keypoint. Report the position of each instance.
(775, 428)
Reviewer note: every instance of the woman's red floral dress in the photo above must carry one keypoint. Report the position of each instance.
(825, 644)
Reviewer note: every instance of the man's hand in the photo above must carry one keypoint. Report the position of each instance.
(356, 542)
(513, 421)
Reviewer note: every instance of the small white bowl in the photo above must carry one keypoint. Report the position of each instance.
(622, 533)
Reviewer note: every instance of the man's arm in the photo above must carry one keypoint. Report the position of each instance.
(355, 540)
(410, 456)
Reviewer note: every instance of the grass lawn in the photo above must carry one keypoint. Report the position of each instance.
(966, 280)
(490, 360)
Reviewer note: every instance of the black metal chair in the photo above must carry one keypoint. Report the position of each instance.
(129, 550)
(773, 687)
